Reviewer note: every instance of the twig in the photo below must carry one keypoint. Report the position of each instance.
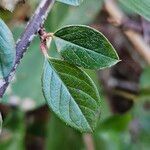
(130, 24)
(45, 39)
(140, 45)
(23, 43)
(118, 18)
(88, 140)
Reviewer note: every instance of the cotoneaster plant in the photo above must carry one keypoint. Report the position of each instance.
(69, 91)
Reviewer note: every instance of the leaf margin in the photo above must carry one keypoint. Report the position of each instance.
(61, 118)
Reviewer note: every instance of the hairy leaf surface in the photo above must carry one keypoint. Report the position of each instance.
(71, 94)
(142, 7)
(71, 2)
(7, 50)
(85, 47)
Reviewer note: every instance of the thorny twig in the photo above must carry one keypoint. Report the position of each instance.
(23, 43)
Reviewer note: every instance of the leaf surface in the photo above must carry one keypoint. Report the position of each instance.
(7, 50)
(71, 94)
(85, 47)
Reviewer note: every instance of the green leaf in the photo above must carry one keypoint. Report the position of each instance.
(7, 50)
(5, 14)
(27, 87)
(71, 94)
(142, 7)
(85, 47)
(71, 2)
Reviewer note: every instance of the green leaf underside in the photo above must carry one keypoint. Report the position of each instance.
(7, 50)
(71, 94)
(71, 2)
(142, 7)
(85, 47)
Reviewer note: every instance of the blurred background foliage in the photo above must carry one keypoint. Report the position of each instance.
(124, 89)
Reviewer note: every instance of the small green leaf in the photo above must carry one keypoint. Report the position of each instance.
(71, 94)
(85, 47)
(71, 2)
(142, 7)
(7, 50)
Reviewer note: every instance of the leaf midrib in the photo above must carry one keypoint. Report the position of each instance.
(69, 93)
(81, 81)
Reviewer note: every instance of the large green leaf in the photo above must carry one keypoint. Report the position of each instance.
(142, 7)
(71, 2)
(7, 50)
(5, 14)
(85, 47)
(27, 85)
(71, 94)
